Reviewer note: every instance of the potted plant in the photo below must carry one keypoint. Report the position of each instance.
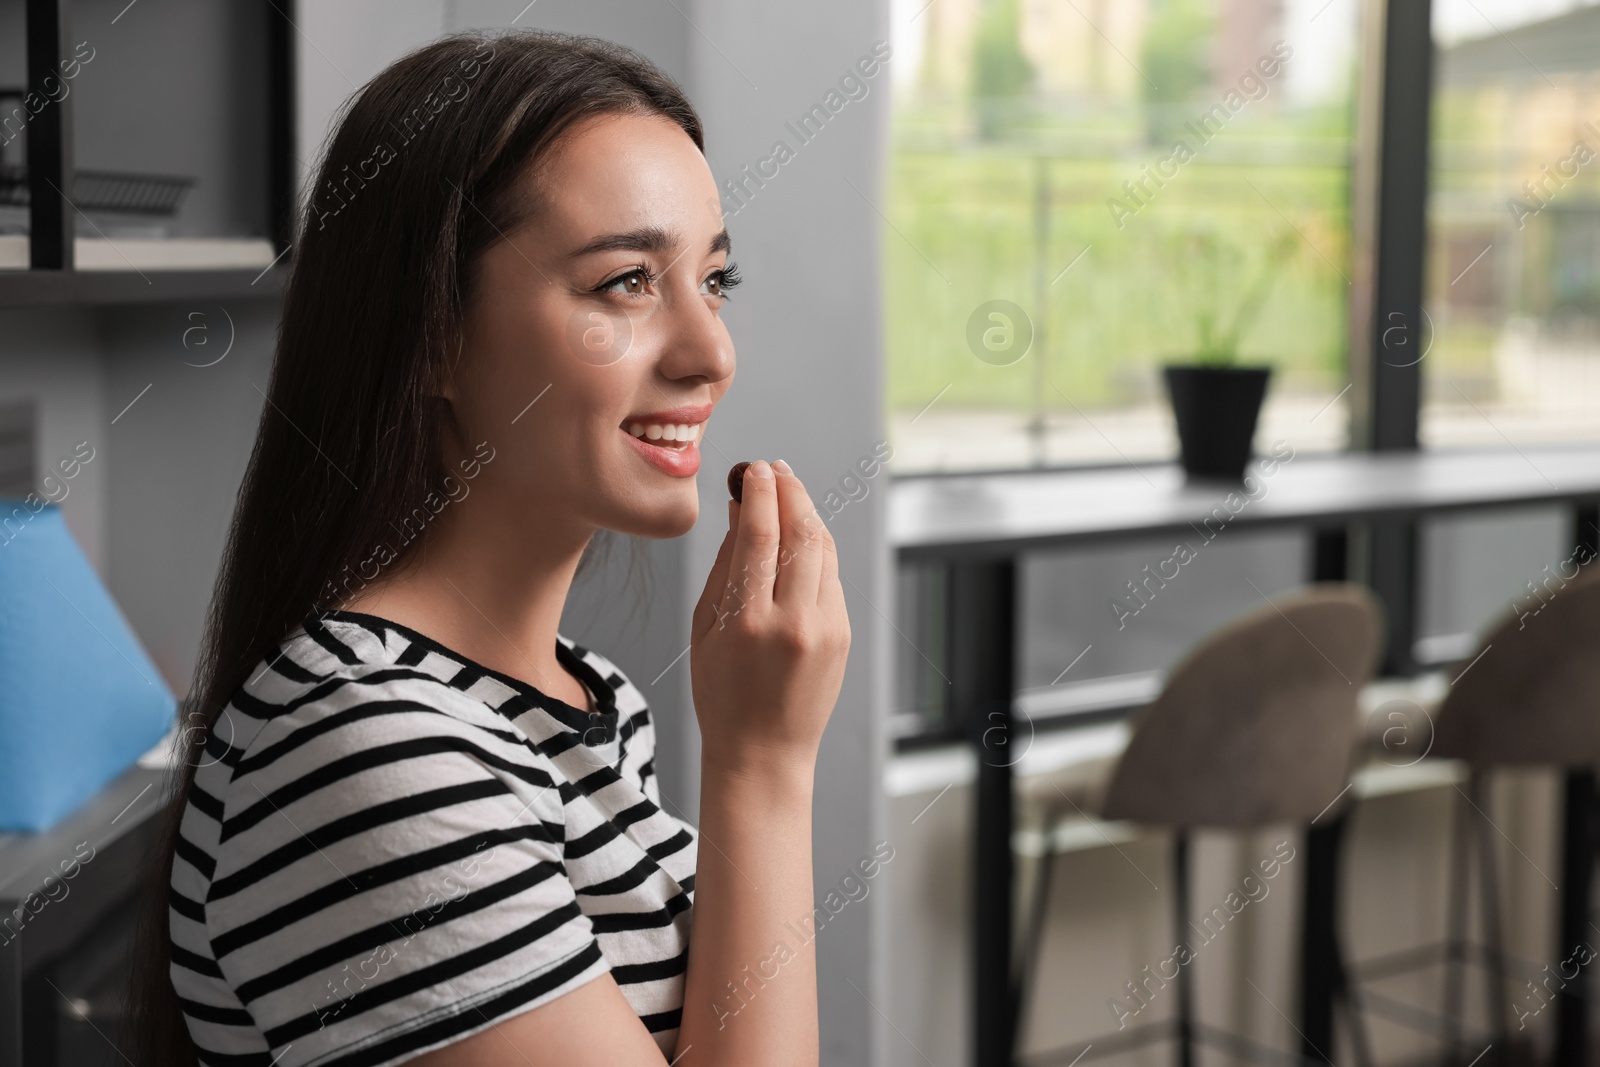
(1216, 402)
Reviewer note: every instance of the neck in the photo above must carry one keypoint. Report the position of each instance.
(486, 585)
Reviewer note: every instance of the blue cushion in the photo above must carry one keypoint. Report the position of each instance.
(80, 701)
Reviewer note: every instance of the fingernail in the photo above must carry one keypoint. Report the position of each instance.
(781, 467)
(760, 469)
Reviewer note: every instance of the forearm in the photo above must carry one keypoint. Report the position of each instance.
(750, 995)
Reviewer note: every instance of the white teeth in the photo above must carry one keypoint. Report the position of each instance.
(679, 431)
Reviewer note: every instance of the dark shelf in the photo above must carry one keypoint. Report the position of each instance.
(130, 139)
(39, 288)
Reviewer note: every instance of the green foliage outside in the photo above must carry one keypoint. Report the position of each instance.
(1001, 74)
(962, 232)
(1175, 66)
(1226, 280)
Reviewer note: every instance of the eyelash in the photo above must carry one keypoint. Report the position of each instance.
(728, 278)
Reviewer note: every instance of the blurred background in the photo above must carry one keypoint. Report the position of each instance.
(1015, 124)
(967, 271)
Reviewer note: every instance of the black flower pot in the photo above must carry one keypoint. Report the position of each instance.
(1216, 409)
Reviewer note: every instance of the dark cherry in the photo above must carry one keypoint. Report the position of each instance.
(736, 480)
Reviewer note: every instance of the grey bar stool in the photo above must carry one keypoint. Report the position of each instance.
(1256, 726)
(1530, 696)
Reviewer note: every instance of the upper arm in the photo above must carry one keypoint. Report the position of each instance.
(592, 1026)
(389, 882)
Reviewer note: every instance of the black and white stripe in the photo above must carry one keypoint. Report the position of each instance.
(388, 847)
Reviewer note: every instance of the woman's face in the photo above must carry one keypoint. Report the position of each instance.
(596, 318)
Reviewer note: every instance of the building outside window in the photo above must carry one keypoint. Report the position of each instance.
(1513, 279)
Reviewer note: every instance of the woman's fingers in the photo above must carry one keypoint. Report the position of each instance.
(779, 550)
(755, 545)
(710, 603)
(828, 585)
(800, 555)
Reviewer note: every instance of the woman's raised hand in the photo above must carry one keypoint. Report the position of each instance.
(770, 634)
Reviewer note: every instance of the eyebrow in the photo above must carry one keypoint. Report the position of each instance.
(647, 239)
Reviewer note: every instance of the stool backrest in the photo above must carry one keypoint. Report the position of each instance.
(1532, 694)
(1258, 724)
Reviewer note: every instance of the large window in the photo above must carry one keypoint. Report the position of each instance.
(1513, 285)
(1080, 191)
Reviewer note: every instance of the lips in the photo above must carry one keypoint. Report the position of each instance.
(669, 440)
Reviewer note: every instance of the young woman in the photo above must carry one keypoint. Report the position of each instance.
(416, 822)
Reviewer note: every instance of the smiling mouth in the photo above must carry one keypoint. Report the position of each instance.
(675, 437)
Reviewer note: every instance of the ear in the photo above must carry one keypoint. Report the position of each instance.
(442, 407)
(447, 389)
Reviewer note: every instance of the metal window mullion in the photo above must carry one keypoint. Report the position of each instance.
(1399, 330)
(50, 166)
(280, 123)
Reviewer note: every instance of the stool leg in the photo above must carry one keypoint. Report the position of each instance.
(1355, 1018)
(1180, 915)
(1577, 864)
(1350, 994)
(1491, 915)
(1319, 920)
(1027, 979)
(1455, 959)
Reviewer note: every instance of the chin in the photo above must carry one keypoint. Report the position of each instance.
(668, 520)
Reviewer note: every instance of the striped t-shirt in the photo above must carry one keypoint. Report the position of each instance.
(389, 847)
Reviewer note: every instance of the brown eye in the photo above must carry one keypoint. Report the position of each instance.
(631, 283)
(720, 282)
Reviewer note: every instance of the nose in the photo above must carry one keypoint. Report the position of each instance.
(698, 345)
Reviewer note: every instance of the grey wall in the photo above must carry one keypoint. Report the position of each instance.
(151, 508)
(343, 43)
(654, 28)
(809, 383)
(810, 390)
(177, 455)
(53, 358)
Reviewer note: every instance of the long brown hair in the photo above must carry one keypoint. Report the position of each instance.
(420, 178)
